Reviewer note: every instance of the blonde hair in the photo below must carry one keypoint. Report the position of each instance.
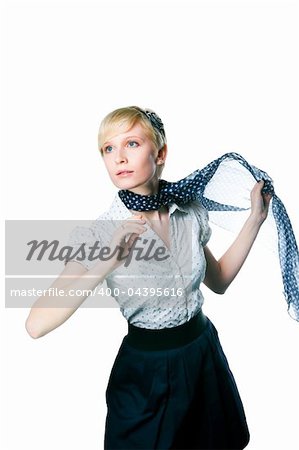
(123, 119)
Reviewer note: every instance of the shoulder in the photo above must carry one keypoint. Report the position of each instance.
(104, 225)
(110, 212)
(116, 211)
(196, 209)
(201, 215)
(92, 229)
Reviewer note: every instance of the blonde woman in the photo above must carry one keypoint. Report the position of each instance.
(170, 386)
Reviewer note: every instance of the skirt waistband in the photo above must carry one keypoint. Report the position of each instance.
(166, 338)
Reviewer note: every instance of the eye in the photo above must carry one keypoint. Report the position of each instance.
(107, 149)
(133, 142)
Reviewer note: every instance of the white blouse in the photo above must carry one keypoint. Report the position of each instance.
(162, 291)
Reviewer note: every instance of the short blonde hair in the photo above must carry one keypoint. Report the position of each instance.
(123, 119)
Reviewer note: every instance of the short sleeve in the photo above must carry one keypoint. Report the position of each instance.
(202, 216)
(80, 240)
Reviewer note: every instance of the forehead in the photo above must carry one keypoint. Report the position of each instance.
(137, 130)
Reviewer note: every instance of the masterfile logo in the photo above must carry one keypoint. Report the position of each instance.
(38, 250)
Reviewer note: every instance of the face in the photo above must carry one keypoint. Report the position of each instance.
(131, 160)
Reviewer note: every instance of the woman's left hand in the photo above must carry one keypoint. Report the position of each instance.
(259, 202)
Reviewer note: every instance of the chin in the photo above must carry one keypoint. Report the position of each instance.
(125, 184)
(130, 183)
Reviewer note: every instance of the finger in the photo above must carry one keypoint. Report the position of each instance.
(133, 219)
(127, 226)
(133, 228)
(267, 199)
(260, 185)
(132, 239)
(256, 188)
(135, 216)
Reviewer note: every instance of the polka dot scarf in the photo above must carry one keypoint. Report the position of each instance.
(198, 185)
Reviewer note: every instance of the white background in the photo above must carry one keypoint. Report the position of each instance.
(223, 76)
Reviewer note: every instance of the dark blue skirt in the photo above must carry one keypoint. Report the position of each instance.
(182, 397)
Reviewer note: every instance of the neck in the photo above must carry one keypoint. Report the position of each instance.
(157, 214)
(151, 187)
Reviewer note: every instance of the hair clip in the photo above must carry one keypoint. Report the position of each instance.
(155, 121)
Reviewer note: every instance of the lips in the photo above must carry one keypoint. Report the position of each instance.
(124, 172)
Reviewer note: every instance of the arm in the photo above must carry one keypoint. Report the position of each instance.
(45, 316)
(220, 274)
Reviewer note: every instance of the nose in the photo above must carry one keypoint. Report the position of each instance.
(120, 155)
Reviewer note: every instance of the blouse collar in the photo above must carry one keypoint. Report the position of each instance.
(119, 211)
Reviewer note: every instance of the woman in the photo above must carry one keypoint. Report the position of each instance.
(170, 385)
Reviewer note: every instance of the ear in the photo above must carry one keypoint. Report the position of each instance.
(162, 153)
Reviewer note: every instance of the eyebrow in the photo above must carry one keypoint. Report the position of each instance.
(126, 138)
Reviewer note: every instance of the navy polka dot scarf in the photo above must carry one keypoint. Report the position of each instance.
(197, 186)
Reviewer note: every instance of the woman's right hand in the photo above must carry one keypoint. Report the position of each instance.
(133, 226)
